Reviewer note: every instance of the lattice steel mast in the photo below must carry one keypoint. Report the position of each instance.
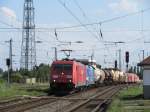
(28, 48)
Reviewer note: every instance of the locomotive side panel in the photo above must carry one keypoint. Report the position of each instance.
(80, 75)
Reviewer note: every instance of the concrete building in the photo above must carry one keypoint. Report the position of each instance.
(145, 64)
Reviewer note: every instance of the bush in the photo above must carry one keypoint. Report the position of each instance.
(2, 81)
(17, 77)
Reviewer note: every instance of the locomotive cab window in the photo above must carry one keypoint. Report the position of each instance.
(57, 68)
(67, 67)
(62, 68)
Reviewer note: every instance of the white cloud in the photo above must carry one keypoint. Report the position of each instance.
(124, 5)
(8, 12)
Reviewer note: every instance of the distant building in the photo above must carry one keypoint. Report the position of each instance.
(145, 64)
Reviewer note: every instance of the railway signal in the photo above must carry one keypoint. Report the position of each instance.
(127, 59)
(115, 64)
(8, 64)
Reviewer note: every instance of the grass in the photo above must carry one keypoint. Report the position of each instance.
(18, 90)
(129, 97)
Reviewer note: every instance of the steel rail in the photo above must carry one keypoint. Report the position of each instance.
(18, 105)
(103, 104)
(88, 100)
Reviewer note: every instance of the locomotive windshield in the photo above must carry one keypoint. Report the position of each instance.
(62, 68)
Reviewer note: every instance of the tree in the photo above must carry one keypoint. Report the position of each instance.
(1, 70)
(16, 77)
(130, 70)
(140, 72)
(24, 73)
(134, 71)
(43, 73)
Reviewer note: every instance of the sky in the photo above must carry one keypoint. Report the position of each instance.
(133, 29)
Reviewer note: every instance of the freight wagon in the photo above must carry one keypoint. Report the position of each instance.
(90, 76)
(132, 78)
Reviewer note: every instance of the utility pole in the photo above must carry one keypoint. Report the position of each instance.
(8, 64)
(116, 43)
(92, 55)
(55, 53)
(143, 54)
(10, 54)
(10, 60)
(120, 59)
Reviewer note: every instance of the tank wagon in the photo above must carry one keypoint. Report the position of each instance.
(67, 75)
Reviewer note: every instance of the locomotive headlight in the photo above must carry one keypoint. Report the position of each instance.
(70, 81)
(54, 80)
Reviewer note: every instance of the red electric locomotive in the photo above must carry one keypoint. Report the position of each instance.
(67, 75)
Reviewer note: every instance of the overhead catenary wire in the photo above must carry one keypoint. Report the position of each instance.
(82, 11)
(85, 16)
(103, 21)
(79, 31)
(77, 18)
(88, 24)
(73, 15)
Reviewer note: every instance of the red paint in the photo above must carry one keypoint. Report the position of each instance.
(132, 78)
(77, 73)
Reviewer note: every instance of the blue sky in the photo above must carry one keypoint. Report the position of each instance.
(51, 14)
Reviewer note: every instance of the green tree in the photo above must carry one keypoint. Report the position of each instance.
(17, 77)
(130, 70)
(134, 71)
(1, 70)
(42, 73)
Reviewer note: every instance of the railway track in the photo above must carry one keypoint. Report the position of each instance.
(20, 104)
(96, 103)
(83, 98)
(10, 100)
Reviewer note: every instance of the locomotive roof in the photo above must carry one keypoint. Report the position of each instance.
(83, 61)
(63, 61)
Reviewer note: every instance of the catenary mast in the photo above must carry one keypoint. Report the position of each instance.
(28, 47)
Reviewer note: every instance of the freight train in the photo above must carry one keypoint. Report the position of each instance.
(68, 75)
